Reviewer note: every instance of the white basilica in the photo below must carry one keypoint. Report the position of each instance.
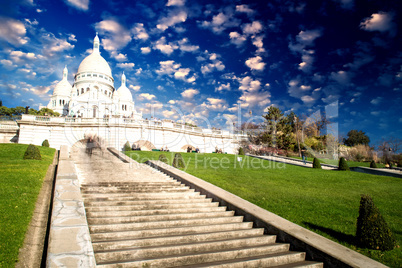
(93, 94)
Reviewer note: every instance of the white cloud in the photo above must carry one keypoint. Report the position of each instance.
(245, 9)
(221, 22)
(173, 69)
(118, 56)
(175, 3)
(115, 35)
(381, 22)
(189, 93)
(165, 48)
(237, 38)
(308, 99)
(126, 65)
(13, 31)
(72, 38)
(174, 17)
(79, 4)
(186, 47)
(8, 64)
(214, 104)
(223, 87)
(252, 28)
(376, 101)
(255, 63)
(306, 64)
(140, 32)
(252, 95)
(341, 77)
(146, 96)
(135, 88)
(145, 50)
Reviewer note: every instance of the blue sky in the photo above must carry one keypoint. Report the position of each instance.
(212, 62)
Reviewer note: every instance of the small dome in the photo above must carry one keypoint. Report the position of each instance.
(63, 88)
(123, 92)
(95, 62)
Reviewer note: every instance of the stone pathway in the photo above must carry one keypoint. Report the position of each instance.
(291, 161)
(139, 217)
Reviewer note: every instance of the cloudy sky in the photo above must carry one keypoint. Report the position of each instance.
(217, 62)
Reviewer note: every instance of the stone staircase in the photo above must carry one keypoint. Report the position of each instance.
(144, 218)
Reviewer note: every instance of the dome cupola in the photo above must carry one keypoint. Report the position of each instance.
(63, 88)
(95, 63)
(123, 92)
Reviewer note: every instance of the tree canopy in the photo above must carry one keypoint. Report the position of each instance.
(356, 137)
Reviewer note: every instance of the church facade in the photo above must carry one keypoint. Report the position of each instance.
(93, 94)
(92, 106)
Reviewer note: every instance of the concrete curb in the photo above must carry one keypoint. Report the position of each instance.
(378, 172)
(69, 240)
(31, 253)
(318, 248)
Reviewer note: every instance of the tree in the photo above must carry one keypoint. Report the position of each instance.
(356, 137)
(5, 111)
(19, 110)
(372, 230)
(47, 111)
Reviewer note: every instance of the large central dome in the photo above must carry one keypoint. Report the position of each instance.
(95, 62)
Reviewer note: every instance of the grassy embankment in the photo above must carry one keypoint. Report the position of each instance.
(324, 201)
(21, 181)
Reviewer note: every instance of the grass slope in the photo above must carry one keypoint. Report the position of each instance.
(324, 201)
(21, 181)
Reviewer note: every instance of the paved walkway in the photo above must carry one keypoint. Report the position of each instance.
(294, 162)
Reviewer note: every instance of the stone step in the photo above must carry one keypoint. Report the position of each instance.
(278, 260)
(137, 190)
(203, 257)
(148, 212)
(124, 185)
(179, 239)
(155, 218)
(96, 203)
(101, 228)
(169, 231)
(142, 196)
(153, 206)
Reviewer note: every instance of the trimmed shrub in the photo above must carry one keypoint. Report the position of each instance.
(372, 231)
(342, 164)
(127, 147)
(241, 151)
(316, 163)
(45, 143)
(32, 152)
(373, 164)
(178, 161)
(400, 162)
(163, 158)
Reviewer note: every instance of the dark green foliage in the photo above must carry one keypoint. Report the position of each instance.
(241, 151)
(356, 137)
(372, 231)
(178, 161)
(400, 162)
(316, 163)
(163, 158)
(45, 143)
(342, 164)
(127, 147)
(373, 164)
(32, 152)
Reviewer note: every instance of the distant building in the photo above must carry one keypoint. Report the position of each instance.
(93, 94)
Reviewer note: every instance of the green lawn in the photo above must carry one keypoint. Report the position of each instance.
(21, 181)
(323, 201)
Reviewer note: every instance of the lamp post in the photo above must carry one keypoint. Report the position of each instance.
(297, 136)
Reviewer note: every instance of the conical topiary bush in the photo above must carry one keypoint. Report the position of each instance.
(32, 152)
(45, 143)
(372, 231)
(241, 151)
(316, 163)
(127, 147)
(342, 164)
(178, 161)
(373, 164)
(163, 158)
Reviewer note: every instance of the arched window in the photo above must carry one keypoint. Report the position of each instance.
(87, 89)
(82, 91)
(78, 92)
